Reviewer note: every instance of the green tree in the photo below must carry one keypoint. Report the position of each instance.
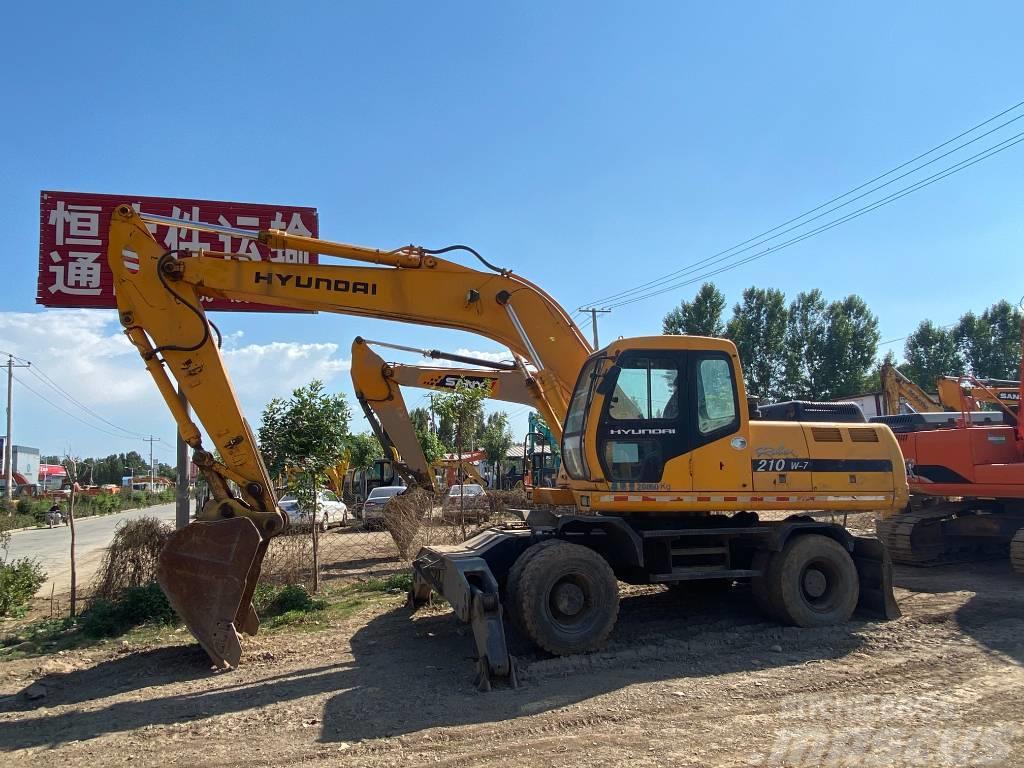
(851, 343)
(271, 437)
(429, 443)
(990, 344)
(363, 450)
(308, 432)
(806, 332)
(497, 439)
(930, 352)
(830, 348)
(758, 328)
(700, 317)
(463, 408)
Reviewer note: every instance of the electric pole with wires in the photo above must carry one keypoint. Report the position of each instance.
(152, 467)
(8, 446)
(594, 311)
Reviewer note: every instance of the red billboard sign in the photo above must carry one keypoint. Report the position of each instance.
(73, 226)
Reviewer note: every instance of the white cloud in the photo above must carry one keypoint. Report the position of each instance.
(86, 354)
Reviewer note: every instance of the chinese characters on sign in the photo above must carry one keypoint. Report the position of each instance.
(73, 226)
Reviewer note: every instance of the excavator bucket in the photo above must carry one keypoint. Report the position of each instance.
(874, 569)
(208, 570)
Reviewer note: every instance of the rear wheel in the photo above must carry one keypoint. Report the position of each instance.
(813, 582)
(568, 598)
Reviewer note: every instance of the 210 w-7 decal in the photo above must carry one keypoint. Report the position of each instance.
(821, 465)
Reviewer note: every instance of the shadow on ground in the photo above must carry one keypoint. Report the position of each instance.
(993, 616)
(408, 675)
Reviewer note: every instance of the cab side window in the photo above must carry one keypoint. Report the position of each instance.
(716, 396)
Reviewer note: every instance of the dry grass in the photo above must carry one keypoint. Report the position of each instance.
(131, 558)
(404, 515)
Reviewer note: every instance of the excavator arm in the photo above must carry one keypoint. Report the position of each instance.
(209, 569)
(896, 388)
(378, 387)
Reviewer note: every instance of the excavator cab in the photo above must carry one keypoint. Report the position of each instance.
(644, 408)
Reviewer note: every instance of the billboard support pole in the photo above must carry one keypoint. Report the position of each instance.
(181, 511)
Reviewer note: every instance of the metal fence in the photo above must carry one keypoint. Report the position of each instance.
(358, 549)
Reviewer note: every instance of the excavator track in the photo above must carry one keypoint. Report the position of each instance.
(916, 538)
(1017, 551)
(951, 532)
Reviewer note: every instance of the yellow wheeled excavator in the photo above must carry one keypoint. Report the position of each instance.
(663, 458)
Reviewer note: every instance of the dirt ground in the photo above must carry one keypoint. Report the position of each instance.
(686, 681)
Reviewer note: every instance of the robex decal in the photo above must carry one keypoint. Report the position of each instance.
(318, 283)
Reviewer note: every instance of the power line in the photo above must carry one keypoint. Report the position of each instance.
(728, 252)
(69, 413)
(892, 197)
(43, 377)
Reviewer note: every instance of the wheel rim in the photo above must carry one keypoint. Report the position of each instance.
(570, 602)
(820, 582)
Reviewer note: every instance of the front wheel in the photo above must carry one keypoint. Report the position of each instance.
(567, 598)
(813, 582)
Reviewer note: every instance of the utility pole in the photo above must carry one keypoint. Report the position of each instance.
(594, 311)
(152, 469)
(8, 446)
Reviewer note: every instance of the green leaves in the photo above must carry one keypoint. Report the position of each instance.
(700, 317)
(307, 432)
(463, 409)
(497, 437)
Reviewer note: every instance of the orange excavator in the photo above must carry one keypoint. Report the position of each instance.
(662, 456)
(966, 475)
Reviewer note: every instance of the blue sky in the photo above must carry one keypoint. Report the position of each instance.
(589, 146)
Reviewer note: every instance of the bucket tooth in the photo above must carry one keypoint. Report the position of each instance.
(208, 570)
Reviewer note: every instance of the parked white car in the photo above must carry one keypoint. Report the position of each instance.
(330, 510)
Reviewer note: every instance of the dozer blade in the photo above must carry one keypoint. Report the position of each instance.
(874, 569)
(208, 570)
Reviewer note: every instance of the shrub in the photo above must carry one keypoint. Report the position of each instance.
(131, 559)
(135, 606)
(275, 601)
(19, 580)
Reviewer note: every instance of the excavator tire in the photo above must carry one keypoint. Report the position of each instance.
(515, 576)
(813, 582)
(764, 561)
(1017, 551)
(568, 599)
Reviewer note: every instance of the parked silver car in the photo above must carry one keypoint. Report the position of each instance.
(330, 511)
(373, 507)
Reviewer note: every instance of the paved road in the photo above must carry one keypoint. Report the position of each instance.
(93, 534)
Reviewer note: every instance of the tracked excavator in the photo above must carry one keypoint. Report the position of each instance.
(902, 394)
(966, 475)
(663, 460)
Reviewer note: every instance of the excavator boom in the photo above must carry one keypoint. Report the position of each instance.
(209, 569)
(378, 387)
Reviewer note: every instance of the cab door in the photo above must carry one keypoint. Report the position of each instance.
(720, 450)
(642, 435)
